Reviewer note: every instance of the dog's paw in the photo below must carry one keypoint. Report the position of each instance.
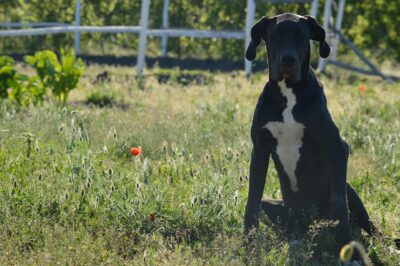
(250, 222)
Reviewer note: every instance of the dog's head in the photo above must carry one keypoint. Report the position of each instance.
(287, 38)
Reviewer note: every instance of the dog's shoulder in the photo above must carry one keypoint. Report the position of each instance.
(269, 107)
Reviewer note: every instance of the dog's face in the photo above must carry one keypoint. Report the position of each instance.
(287, 37)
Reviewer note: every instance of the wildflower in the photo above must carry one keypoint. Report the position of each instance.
(152, 217)
(362, 88)
(136, 151)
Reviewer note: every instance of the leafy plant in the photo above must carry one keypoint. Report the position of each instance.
(20, 88)
(101, 98)
(7, 72)
(60, 77)
(27, 90)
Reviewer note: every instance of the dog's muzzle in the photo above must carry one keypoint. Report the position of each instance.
(288, 68)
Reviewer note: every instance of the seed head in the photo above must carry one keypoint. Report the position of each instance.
(236, 197)
(193, 201)
(165, 147)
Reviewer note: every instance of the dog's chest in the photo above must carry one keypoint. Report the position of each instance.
(288, 134)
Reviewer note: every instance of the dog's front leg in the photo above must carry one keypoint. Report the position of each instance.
(258, 170)
(338, 154)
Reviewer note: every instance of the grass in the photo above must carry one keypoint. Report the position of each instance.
(71, 193)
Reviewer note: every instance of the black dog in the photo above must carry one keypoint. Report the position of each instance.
(292, 124)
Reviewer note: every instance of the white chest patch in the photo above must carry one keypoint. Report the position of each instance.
(288, 134)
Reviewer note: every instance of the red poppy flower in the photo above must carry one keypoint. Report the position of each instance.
(152, 217)
(362, 88)
(136, 151)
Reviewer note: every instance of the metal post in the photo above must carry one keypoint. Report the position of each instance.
(165, 24)
(338, 27)
(314, 8)
(144, 23)
(251, 9)
(327, 16)
(77, 23)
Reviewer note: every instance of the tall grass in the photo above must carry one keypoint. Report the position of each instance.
(72, 193)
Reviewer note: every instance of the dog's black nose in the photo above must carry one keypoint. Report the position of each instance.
(287, 60)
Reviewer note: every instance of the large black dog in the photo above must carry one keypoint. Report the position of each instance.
(292, 124)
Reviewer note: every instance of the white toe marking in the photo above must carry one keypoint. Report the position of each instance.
(288, 134)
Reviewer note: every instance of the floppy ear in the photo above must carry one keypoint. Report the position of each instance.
(257, 32)
(317, 33)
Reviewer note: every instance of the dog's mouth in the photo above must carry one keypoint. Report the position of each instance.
(288, 74)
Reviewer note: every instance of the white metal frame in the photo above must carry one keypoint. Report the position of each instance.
(333, 28)
(44, 28)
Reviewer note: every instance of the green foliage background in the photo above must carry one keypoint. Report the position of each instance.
(371, 24)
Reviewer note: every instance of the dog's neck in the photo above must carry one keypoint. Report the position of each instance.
(308, 77)
(306, 90)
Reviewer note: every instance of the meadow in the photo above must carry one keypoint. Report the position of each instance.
(72, 193)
